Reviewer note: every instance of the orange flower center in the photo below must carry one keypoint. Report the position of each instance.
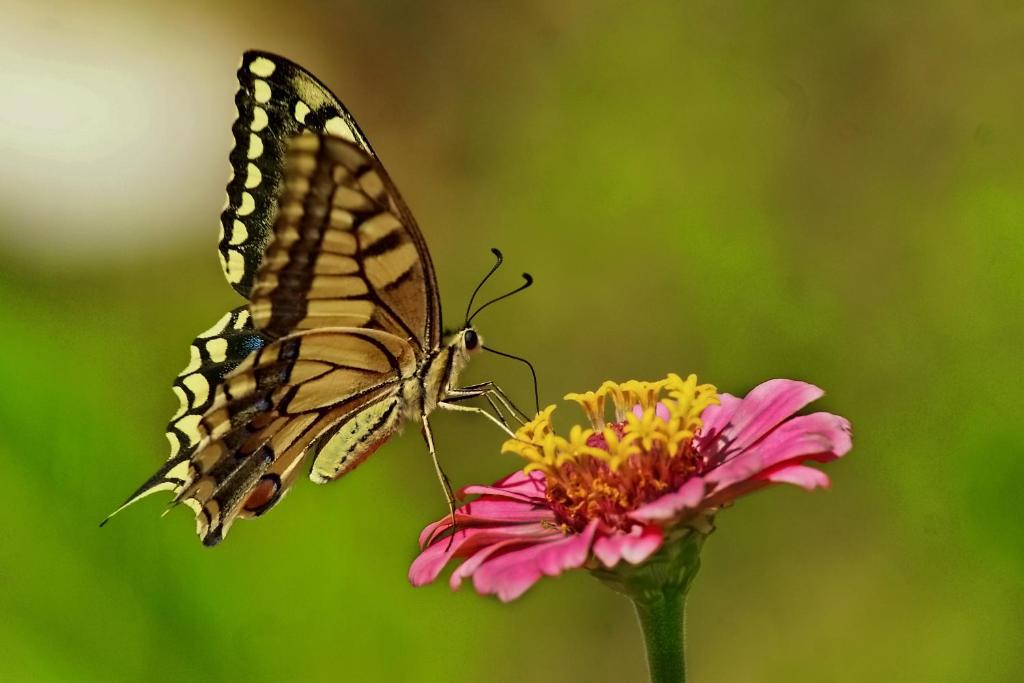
(607, 470)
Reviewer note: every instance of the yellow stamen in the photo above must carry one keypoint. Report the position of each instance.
(604, 470)
(592, 403)
(648, 429)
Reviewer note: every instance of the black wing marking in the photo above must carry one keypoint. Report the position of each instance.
(276, 99)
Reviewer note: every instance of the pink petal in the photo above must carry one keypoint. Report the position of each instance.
(491, 508)
(633, 547)
(801, 475)
(509, 575)
(716, 417)
(688, 496)
(519, 485)
(764, 407)
(486, 511)
(433, 559)
(821, 436)
(467, 568)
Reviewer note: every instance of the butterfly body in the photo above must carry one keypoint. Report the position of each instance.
(419, 394)
(339, 344)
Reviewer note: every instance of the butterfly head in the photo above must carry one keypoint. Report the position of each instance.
(471, 341)
(468, 341)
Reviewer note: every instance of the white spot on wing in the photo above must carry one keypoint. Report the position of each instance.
(239, 233)
(182, 402)
(248, 205)
(261, 66)
(199, 387)
(301, 110)
(180, 471)
(337, 126)
(218, 349)
(254, 176)
(261, 91)
(255, 146)
(193, 360)
(243, 318)
(217, 328)
(259, 119)
(189, 426)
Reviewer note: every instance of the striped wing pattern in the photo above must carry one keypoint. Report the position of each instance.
(276, 99)
(284, 399)
(340, 255)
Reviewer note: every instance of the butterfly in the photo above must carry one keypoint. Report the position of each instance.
(341, 341)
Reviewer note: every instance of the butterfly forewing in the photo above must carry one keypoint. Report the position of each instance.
(340, 254)
(276, 99)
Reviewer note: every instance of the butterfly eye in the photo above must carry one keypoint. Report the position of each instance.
(472, 340)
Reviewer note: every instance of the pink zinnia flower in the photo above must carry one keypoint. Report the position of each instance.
(613, 494)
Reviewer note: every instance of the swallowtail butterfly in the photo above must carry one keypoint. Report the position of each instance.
(340, 342)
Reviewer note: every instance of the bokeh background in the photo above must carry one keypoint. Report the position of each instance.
(826, 191)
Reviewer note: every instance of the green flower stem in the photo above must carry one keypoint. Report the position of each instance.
(662, 620)
(658, 588)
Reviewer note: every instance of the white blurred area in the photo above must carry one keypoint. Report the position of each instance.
(115, 125)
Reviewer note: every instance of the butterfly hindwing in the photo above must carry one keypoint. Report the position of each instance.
(212, 355)
(283, 400)
(355, 438)
(276, 99)
(341, 254)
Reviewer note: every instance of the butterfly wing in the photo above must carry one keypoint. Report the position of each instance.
(212, 355)
(275, 100)
(342, 254)
(283, 400)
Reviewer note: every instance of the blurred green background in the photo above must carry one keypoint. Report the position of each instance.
(825, 191)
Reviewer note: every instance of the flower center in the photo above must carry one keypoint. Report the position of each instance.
(605, 471)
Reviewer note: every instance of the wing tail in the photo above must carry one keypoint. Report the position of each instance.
(171, 476)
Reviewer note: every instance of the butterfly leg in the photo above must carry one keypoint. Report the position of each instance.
(428, 436)
(480, 411)
(492, 389)
(492, 392)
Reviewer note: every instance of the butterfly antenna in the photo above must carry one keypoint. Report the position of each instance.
(499, 258)
(529, 281)
(533, 373)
